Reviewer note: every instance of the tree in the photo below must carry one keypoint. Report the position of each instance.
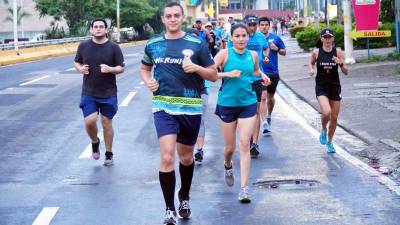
(155, 20)
(78, 13)
(387, 12)
(20, 14)
(135, 12)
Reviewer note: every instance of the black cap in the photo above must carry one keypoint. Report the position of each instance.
(327, 32)
(251, 19)
(198, 21)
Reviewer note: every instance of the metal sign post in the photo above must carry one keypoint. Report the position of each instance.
(396, 22)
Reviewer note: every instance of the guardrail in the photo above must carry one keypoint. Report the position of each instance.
(43, 43)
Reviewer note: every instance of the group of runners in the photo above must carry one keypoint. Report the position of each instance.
(176, 67)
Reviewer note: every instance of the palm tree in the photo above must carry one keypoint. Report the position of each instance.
(20, 14)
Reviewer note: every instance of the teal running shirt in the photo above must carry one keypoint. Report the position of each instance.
(235, 92)
(179, 92)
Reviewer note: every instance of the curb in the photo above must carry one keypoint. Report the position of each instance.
(47, 52)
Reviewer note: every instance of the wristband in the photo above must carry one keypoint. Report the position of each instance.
(278, 49)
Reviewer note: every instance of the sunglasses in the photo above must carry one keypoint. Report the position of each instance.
(327, 36)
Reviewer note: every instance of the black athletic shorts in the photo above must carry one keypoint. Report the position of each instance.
(258, 87)
(274, 84)
(186, 127)
(332, 92)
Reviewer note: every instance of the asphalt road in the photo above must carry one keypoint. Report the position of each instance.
(46, 177)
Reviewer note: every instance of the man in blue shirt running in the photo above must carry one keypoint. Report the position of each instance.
(276, 46)
(258, 43)
(181, 62)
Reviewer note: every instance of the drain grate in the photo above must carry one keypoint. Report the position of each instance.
(287, 184)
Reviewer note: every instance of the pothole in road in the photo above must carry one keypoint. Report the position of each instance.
(287, 184)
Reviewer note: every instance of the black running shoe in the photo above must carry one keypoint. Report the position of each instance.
(170, 218)
(108, 161)
(184, 207)
(254, 150)
(198, 157)
(96, 150)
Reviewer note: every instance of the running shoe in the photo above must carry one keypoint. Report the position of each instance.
(96, 150)
(330, 148)
(229, 177)
(323, 138)
(254, 150)
(244, 196)
(184, 207)
(198, 157)
(108, 161)
(266, 127)
(170, 217)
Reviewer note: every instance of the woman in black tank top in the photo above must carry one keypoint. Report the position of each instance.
(327, 84)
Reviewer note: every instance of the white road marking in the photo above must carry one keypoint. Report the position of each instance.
(134, 54)
(35, 80)
(382, 179)
(137, 87)
(87, 153)
(128, 99)
(141, 83)
(71, 69)
(45, 216)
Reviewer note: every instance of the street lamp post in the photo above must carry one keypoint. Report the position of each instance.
(15, 18)
(22, 18)
(118, 23)
(317, 18)
(348, 42)
(397, 21)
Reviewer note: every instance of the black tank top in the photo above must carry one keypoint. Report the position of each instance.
(327, 68)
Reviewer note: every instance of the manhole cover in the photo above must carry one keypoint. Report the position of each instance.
(287, 184)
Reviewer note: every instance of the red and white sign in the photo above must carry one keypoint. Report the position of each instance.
(366, 13)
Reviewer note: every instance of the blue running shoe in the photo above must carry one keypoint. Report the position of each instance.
(330, 148)
(323, 138)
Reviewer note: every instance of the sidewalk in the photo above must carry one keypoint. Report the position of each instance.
(9, 57)
(370, 108)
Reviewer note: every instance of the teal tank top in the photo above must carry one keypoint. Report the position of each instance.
(236, 92)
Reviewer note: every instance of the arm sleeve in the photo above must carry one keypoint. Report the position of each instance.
(147, 60)
(119, 57)
(78, 57)
(206, 59)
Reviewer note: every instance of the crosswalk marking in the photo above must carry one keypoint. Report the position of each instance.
(45, 216)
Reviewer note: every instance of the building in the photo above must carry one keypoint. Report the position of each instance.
(32, 25)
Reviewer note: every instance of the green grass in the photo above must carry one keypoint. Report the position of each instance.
(393, 56)
(398, 72)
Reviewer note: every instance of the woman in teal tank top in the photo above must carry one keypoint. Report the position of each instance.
(237, 103)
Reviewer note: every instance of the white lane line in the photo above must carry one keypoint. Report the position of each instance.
(137, 87)
(45, 216)
(382, 179)
(134, 54)
(128, 99)
(87, 153)
(70, 69)
(35, 80)
(142, 83)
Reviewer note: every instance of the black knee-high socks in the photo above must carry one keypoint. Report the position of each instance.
(186, 179)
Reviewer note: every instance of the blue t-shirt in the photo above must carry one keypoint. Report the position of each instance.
(257, 42)
(179, 93)
(237, 92)
(271, 69)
